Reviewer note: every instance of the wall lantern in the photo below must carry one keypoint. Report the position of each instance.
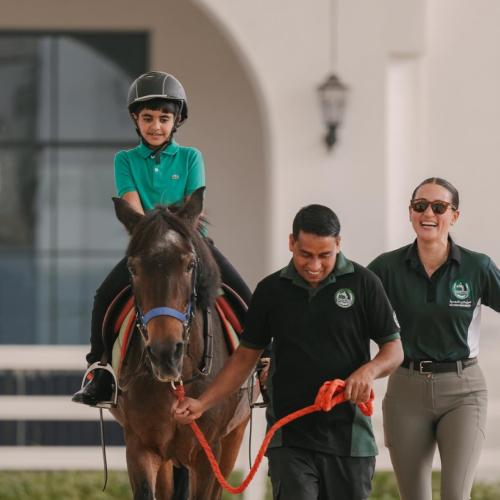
(333, 99)
(332, 92)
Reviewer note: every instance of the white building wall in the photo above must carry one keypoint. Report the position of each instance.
(287, 45)
(463, 116)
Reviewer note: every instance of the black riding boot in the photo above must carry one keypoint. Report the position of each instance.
(99, 389)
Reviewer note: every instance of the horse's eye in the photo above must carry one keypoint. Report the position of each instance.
(132, 270)
(191, 266)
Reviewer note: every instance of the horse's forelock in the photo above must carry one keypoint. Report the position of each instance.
(149, 234)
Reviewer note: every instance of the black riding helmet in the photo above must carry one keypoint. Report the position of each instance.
(157, 84)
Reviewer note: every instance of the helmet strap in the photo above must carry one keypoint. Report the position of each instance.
(167, 142)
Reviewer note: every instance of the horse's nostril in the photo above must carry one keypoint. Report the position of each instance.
(178, 349)
(151, 353)
(170, 353)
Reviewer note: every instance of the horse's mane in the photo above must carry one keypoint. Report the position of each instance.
(150, 232)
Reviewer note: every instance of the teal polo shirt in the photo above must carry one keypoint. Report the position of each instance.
(440, 316)
(179, 173)
(319, 334)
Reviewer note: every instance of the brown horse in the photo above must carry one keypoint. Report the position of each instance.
(175, 281)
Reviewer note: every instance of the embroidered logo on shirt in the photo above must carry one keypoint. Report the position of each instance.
(396, 319)
(175, 176)
(461, 289)
(344, 298)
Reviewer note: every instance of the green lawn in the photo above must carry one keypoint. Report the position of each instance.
(87, 486)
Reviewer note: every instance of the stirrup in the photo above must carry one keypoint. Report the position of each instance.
(113, 402)
(255, 392)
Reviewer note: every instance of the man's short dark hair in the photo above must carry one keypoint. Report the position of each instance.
(316, 219)
(158, 104)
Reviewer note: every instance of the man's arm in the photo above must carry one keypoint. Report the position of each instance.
(359, 385)
(230, 379)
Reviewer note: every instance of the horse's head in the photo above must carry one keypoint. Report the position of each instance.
(172, 272)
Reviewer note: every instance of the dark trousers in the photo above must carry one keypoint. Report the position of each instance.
(119, 278)
(300, 474)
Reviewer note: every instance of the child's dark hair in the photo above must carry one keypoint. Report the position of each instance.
(158, 104)
(316, 219)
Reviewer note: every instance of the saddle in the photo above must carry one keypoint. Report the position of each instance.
(120, 320)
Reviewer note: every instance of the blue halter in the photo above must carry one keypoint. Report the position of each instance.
(166, 311)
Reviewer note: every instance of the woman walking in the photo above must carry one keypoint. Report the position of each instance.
(438, 396)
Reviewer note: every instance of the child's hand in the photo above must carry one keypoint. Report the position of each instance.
(264, 372)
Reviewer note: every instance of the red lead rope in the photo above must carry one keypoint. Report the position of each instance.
(329, 395)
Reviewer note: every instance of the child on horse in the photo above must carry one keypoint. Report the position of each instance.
(156, 171)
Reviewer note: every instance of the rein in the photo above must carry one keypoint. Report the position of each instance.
(330, 394)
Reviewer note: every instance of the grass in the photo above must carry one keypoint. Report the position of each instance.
(16, 485)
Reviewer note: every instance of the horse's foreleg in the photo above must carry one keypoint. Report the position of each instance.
(231, 447)
(165, 483)
(142, 466)
(202, 480)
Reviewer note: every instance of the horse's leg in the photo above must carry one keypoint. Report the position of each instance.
(181, 483)
(230, 448)
(164, 482)
(202, 480)
(142, 466)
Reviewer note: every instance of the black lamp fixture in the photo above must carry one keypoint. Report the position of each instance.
(332, 93)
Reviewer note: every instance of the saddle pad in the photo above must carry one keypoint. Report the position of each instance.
(230, 325)
(109, 329)
(122, 309)
(120, 345)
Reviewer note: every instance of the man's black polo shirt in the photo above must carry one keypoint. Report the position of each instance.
(440, 316)
(319, 335)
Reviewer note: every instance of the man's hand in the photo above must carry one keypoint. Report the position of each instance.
(189, 410)
(358, 387)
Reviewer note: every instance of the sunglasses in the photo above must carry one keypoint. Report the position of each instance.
(438, 207)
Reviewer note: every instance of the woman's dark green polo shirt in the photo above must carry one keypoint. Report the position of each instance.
(319, 335)
(440, 316)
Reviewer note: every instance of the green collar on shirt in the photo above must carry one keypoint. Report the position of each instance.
(171, 149)
(414, 259)
(342, 266)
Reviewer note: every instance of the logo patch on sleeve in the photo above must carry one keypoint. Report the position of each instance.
(344, 298)
(396, 319)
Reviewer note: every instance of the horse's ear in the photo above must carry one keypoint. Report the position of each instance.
(194, 206)
(126, 214)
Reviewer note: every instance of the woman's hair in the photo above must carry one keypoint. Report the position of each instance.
(158, 104)
(316, 219)
(440, 182)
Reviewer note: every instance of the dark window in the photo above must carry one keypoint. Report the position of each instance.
(62, 119)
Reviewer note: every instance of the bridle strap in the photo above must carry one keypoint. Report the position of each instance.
(164, 311)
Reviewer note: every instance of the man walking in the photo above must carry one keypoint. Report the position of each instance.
(320, 312)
